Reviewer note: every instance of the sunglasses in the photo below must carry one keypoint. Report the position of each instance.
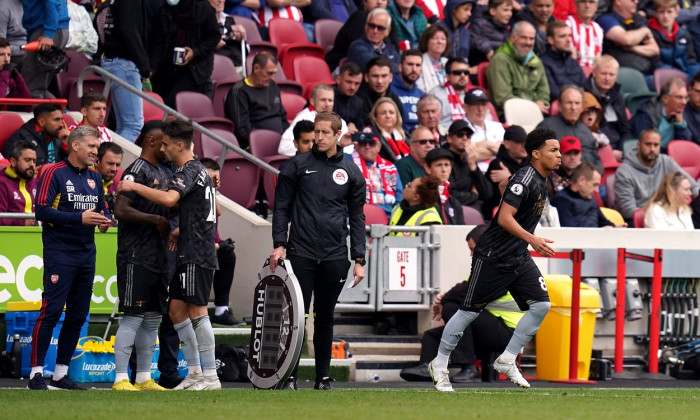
(461, 134)
(374, 27)
(423, 142)
(459, 72)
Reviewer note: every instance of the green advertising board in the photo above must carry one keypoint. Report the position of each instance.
(22, 264)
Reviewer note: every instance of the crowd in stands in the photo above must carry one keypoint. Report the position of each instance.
(422, 89)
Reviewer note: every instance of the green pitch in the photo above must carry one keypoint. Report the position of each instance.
(357, 404)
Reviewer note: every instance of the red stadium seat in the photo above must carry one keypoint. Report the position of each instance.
(293, 104)
(638, 218)
(150, 111)
(205, 146)
(687, 156)
(472, 216)
(662, 75)
(290, 37)
(375, 215)
(9, 123)
(325, 31)
(223, 77)
(269, 180)
(481, 75)
(264, 143)
(253, 37)
(311, 71)
(239, 180)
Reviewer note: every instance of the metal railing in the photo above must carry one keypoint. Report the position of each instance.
(110, 78)
(17, 216)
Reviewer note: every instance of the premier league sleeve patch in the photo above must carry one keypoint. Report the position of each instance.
(516, 189)
(129, 177)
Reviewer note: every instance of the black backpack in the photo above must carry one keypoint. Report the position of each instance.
(231, 363)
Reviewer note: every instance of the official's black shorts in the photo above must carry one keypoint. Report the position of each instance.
(192, 284)
(141, 290)
(487, 283)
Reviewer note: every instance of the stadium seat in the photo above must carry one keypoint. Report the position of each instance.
(67, 81)
(492, 110)
(269, 180)
(150, 111)
(290, 38)
(638, 218)
(661, 75)
(223, 77)
(587, 70)
(375, 215)
(633, 87)
(310, 71)
(554, 107)
(610, 190)
(325, 31)
(481, 75)
(253, 38)
(522, 112)
(613, 215)
(607, 157)
(293, 104)
(293, 53)
(9, 123)
(68, 120)
(206, 146)
(687, 156)
(239, 180)
(472, 216)
(264, 143)
(199, 107)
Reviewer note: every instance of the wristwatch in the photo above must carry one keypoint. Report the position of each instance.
(362, 261)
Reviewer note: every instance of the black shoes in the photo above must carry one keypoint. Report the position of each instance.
(225, 318)
(169, 381)
(290, 384)
(324, 384)
(416, 374)
(468, 374)
(37, 383)
(65, 383)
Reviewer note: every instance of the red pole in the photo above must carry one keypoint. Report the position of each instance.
(620, 310)
(655, 313)
(576, 255)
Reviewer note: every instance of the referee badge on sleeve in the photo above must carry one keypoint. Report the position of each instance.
(516, 189)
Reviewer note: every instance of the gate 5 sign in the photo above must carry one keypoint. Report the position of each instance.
(403, 269)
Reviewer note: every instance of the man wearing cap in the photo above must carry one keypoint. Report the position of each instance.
(439, 164)
(405, 86)
(413, 166)
(465, 172)
(384, 187)
(451, 95)
(568, 123)
(488, 134)
(429, 114)
(575, 203)
(570, 148)
(511, 156)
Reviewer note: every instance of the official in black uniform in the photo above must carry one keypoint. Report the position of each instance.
(502, 262)
(315, 192)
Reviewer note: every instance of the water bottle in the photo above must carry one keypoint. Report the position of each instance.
(16, 358)
(372, 377)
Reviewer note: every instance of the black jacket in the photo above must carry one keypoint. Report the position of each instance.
(462, 180)
(315, 193)
(349, 108)
(617, 131)
(40, 140)
(127, 37)
(369, 97)
(495, 164)
(451, 211)
(561, 70)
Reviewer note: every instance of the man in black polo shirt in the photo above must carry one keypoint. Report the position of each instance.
(502, 262)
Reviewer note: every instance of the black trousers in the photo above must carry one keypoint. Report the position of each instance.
(223, 277)
(324, 280)
(487, 334)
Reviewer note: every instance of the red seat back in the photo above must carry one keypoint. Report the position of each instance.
(375, 215)
(239, 180)
(325, 31)
(264, 143)
(638, 218)
(687, 155)
(9, 123)
(293, 104)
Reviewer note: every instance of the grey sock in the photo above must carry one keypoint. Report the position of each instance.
(188, 340)
(205, 341)
(454, 329)
(146, 341)
(527, 326)
(124, 341)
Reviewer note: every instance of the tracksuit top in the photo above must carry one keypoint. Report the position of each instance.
(16, 196)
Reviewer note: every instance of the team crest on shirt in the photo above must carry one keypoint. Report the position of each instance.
(516, 189)
(179, 182)
(54, 278)
(340, 177)
(16, 195)
(91, 183)
(129, 177)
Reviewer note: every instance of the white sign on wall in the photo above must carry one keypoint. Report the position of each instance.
(403, 269)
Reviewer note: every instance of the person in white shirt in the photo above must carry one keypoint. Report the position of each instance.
(668, 208)
(488, 134)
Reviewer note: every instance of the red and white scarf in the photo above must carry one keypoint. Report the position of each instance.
(444, 192)
(455, 103)
(388, 174)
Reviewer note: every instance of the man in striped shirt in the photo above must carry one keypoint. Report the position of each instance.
(282, 9)
(586, 34)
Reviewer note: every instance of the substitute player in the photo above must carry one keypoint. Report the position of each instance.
(194, 190)
(503, 264)
(142, 265)
(70, 203)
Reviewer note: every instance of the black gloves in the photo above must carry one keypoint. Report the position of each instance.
(12, 68)
(227, 246)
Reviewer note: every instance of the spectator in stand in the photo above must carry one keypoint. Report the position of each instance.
(451, 95)
(387, 129)
(384, 186)
(347, 104)
(539, 14)
(46, 132)
(560, 67)
(322, 98)
(11, 82)
(82, 37)
(511, 156)
(231, 36)
(490, 31)
(586, 34)
(93, 106)
(353, 29)
(675, 43)
(303, 139)
(664, 113)
(11, 28)
(602, 84)
(245, 8)
(374, 42)
(570, 148)
(124, 55)
(420, 196)
(328, 9)
(413, 165)
(18, 185)
(575, 203)
(466, 176)
(591, 117)
(457, 14)
(51, 30)
(281, 9)
(405, 87)
(408, 22)
(488, 134)
(255, 101)
(628, 39)
(108, 162)
(641, 173)
(568, 123)
(692, 109)
(191, 25)
(439, 164)
(515, 72)
(668, 208)
(434, 44)
(429, 114)
(377, 85)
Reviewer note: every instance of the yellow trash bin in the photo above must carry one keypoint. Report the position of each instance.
(553, 339)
